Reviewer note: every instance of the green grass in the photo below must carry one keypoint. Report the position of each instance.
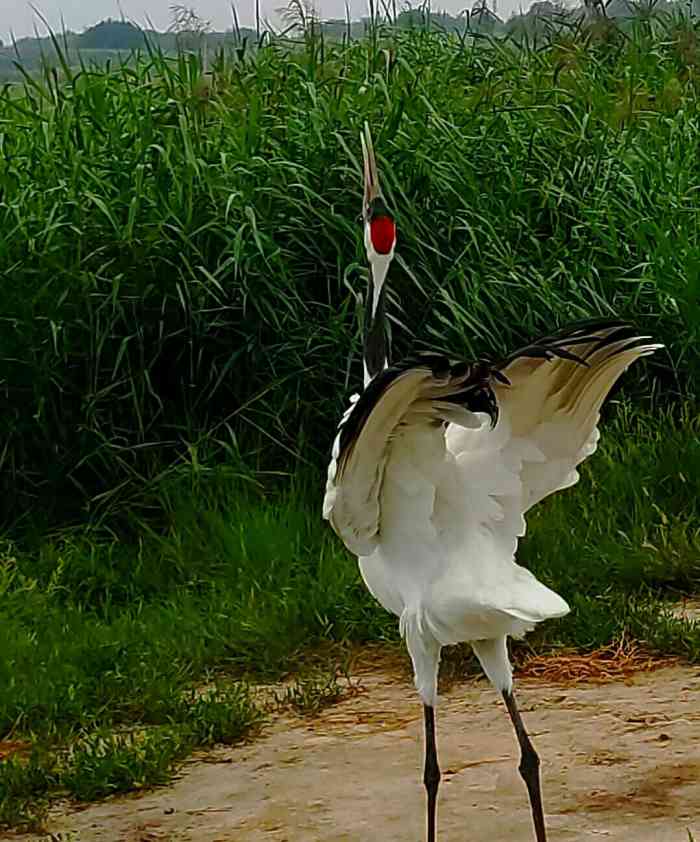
(182, 255)
(315, 689)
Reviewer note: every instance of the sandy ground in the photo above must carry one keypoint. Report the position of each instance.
(620, 761)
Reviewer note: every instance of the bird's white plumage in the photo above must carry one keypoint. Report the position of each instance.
(432, 498)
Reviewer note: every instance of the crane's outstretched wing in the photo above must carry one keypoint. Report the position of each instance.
(552, 402)
(426, 390)
(548, 396)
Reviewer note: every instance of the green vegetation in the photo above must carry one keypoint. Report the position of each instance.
(181, 249)
(182, 267)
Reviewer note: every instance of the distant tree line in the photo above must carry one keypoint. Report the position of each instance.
(112, 35)
(541, 16)
(190, 32)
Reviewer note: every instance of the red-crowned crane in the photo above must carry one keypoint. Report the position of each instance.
(433, 469)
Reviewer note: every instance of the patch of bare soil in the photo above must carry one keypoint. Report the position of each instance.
(620, 761)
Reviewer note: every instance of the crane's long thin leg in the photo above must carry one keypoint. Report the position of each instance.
(431, 774)
(529, 766)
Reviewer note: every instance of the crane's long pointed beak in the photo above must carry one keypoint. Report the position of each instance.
(372, 190)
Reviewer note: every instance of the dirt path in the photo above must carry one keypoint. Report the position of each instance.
(620, 761)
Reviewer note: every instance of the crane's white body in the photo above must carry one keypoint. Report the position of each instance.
(452, 513)
(432, 499)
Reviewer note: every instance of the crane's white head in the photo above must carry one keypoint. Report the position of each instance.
(380, 228)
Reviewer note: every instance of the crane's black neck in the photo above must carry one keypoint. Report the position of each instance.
(375, 339)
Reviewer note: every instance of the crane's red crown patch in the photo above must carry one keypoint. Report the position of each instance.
(383, 233)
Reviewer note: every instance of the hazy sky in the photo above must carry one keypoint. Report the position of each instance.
(17, 15)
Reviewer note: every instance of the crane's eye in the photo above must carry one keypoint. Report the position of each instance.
(383, 233)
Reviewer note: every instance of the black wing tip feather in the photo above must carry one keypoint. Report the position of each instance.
(582, 332)
(594, 324)
(580, 329)
(474, 392)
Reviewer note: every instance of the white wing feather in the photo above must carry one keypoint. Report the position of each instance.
(548, 418)
(413, 399)
(554, 408)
